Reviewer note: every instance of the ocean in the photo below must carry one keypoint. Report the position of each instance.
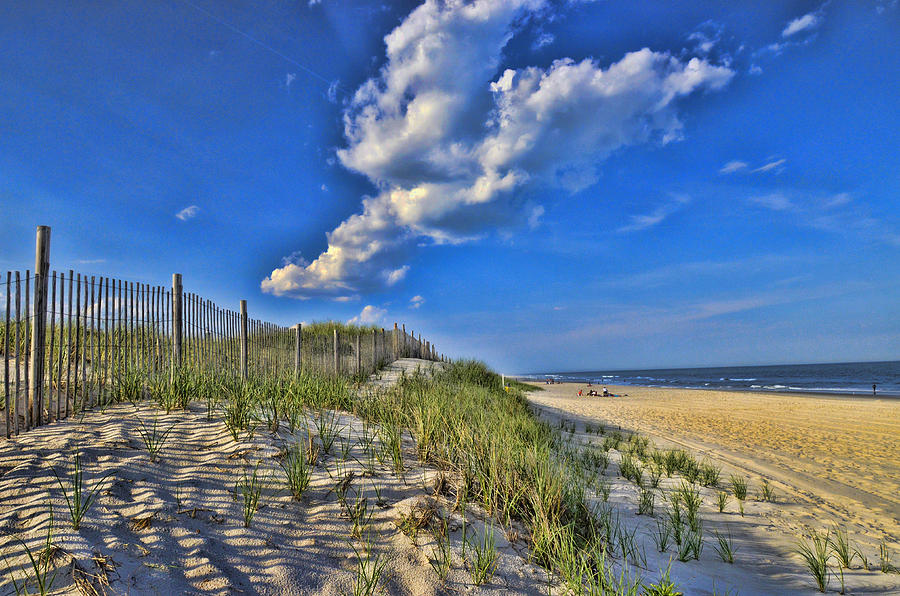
(849, 378)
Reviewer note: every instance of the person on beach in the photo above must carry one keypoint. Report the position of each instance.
(873, 388)
(605, 391)
(579, 393)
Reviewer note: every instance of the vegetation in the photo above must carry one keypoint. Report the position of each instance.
(78, 498)
(154, 437)
(815, 555)
(41, 564)
(248, 490)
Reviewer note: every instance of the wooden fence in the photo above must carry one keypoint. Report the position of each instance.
(68, 339)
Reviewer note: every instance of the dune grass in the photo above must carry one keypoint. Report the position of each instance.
(248, 490)
(815, 554)
(78, 497)
(154, 437)
(42, 573)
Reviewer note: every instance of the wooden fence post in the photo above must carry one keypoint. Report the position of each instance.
(375, 349)
(395, 343)
(336, 362)
(299, 345)
(39, 329)
(358, 356)
(243, 339)
(177, 320)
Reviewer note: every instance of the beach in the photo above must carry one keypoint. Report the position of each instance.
(832, 460)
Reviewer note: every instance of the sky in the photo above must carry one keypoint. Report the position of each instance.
(543, 185)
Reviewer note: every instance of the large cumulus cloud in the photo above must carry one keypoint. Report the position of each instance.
(451, 139)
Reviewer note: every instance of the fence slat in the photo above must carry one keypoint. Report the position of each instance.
(49, 393)
(7, 406)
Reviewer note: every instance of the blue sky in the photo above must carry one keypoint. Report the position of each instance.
(543, 185)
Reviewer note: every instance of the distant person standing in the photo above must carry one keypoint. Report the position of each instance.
(874, 385)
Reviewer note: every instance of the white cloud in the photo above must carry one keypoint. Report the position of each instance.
(642, 222)
(842, 198)
(369, 316)
(451, 150)
(742, 166)
(324, 188)
(775, 201)
(770, 165)
(733, 166)
(392, 277)
(544, 39)
(416, 301)
(755, 70)
(289, 78)
(333, 91)
(807, 21)
(706, 38)
(188, 213)
(534, 220)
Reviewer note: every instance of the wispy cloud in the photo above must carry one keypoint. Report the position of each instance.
(775, 201)
(416, 301)
(830, 213)
(657, 216)
(544, 39)
(736, 165)
(680, 272)
(188, 213)
(289, 78)
(89, 261)
(649, 321)
(772, 165)
(733, 166)
(534, 219)
(806, 22)
(332, 93)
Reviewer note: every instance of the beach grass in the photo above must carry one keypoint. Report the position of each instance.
(725, 546)
(42, 573)
(154, 437)
(79, 498)
(815, 554)
(248, 490)
(297, 469)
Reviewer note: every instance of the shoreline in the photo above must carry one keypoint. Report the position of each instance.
(772, 392)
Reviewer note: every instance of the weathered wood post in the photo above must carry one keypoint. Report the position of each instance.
(177, 320)
(358, 356)
(39, 327)
(403, 349)
(375, 349)
(299, 344)
(243, 340)
(395, 343)
(336, 362)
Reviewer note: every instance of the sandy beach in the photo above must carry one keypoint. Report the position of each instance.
(832, 460)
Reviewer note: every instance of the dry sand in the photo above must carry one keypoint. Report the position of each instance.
(831, 460)
(174, 527)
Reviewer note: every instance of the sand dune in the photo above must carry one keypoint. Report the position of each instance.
(175, 527)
